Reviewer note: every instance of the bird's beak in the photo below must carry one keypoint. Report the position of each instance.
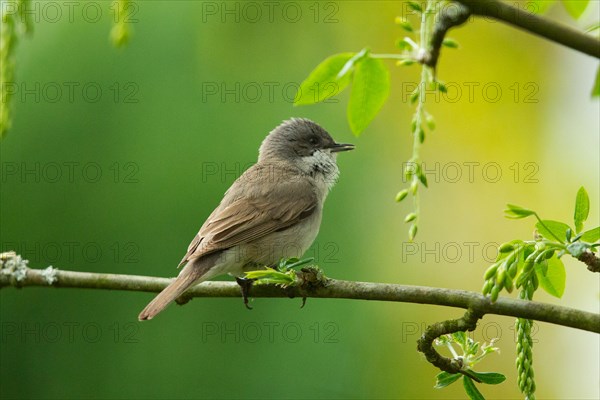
(336, 147)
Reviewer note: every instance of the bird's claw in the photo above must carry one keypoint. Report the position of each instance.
(245, 285)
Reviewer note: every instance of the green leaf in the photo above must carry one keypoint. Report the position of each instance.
(552, 230)
(412, 232)
(271, 276)
(554, 278)
(582, 208)
(471, 390)
(421, 176)
(410, 217)
(591, 236)
(414, 96)
(430, 121)
(323, 82)
(404, 24)
(444, 379)
(450, 43)
(415, 6)
(540, 6)
(406, 62)
(490, 378)
(401, 195)
(542, 267)
(370, 89)
(460, 337)
(441, 86)
(516, 212)
(575, 7)
(506, 248)
(596, 88)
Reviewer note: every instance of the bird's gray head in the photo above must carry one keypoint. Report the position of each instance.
(306, 145)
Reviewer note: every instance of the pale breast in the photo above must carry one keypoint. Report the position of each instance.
(269, 250)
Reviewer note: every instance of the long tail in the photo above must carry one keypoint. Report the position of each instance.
(191, 274)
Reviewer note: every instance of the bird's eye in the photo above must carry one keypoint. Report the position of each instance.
(313, 140)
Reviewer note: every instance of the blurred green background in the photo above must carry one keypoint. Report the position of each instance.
(118, 177)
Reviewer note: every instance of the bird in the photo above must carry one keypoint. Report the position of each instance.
(272, 212)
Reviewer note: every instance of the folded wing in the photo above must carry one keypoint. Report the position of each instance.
(245, 217)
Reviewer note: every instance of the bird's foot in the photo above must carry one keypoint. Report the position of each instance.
(291, 292)
(245, 285)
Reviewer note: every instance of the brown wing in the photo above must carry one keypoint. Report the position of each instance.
(263, 208)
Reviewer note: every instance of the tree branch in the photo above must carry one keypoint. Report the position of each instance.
(309, 286)
(531, 23)
(447, 18)
(591, 260)
(467, 322)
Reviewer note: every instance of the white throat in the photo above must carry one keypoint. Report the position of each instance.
(322, 167)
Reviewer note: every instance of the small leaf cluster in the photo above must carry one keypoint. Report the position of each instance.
(412, 53)
(370, 82)
(539, 261)
(368, 76)
(13, 26)
(472, 353)
(282, 274)
(528, 265)
(524, 361)
(416, 176)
